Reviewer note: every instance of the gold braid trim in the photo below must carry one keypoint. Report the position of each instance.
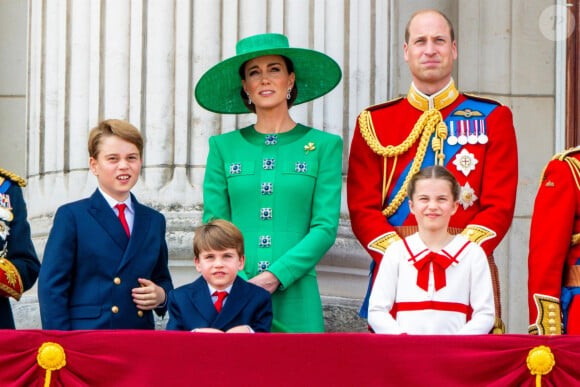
(14, 177)
(426, 125)
(574, 165)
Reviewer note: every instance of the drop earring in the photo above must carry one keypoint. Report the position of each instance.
(289, 94)
(249, 99)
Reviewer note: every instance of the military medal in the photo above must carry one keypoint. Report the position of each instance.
(465, 162)
(462, 139)
(452, 139)
(467, 196)
(482, 138)
(473, 128)
(4, 230)
(5, 208)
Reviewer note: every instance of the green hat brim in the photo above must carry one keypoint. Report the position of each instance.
(218, 90)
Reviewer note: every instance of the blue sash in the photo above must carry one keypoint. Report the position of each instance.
(5, 185)
(568, 293)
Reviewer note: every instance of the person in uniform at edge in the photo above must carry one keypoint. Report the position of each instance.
(278, 181)
(554, 254)
(105, 265)
(434, 124)
(19, 264)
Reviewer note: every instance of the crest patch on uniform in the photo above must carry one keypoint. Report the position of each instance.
(465, 162)
(467, 113)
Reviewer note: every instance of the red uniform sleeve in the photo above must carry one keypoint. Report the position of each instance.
(555, 209)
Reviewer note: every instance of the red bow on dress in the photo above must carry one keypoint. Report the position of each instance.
(440, 263)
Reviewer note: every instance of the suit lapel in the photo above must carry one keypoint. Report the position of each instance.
(105, 216)
(201, 300)
(141, 225)
(235, 302)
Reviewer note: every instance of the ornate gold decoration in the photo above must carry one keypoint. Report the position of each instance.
(549, 319)
(51, 357)
(13, 286)
(478, 234)
(429, 122)
(14, 177)
(498, 326)
(439, 100)
(540, 361)
(468, 113)
(382, 243)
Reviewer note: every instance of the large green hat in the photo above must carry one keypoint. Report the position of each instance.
(218, 90)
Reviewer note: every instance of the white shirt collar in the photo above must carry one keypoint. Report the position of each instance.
(212, 290)
(113, 202)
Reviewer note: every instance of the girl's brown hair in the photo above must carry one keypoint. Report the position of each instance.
(434, 172)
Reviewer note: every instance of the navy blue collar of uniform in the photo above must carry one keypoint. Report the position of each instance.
(439, 100)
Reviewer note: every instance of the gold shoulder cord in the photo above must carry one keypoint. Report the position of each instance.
(574, 165)
(14, 177)
(429, 122)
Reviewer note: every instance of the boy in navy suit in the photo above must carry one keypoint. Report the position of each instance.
(219, 300)
(105, 262)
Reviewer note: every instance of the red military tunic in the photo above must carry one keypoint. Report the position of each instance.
(487, 171)
(554, 274)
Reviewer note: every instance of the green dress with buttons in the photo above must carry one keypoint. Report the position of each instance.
(283, 192)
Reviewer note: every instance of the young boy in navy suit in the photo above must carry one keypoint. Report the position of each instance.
(105, 262)
(219, 300)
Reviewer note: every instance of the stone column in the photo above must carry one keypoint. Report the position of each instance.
(140, 60)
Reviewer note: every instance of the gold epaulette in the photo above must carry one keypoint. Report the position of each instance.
(568, 152)
(14, 177)
(483, 99)
(384, 104)
(573, 163)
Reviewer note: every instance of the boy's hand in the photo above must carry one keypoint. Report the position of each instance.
(207, 330)
(266, 280)
(149, 296)
(240, 329)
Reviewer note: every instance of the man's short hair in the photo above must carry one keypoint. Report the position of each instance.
(451, 30)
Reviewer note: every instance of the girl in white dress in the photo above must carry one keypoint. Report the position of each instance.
(432, 282)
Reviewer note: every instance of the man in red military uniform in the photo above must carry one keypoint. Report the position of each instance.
(435, 124)
(554, 258)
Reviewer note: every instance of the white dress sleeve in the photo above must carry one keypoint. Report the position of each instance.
(480, 295)
(384, 293)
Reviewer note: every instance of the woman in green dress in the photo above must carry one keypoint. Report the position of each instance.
(278, 181)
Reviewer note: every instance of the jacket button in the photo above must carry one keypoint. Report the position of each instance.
(117, 280)
(115, 309)
(140, 313)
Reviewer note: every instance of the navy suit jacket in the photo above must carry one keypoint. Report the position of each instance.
(90, 266)
(190, 307)
(19, 247)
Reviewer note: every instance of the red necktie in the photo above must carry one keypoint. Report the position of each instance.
(220, 299)
(121, 207)
(440, 263)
